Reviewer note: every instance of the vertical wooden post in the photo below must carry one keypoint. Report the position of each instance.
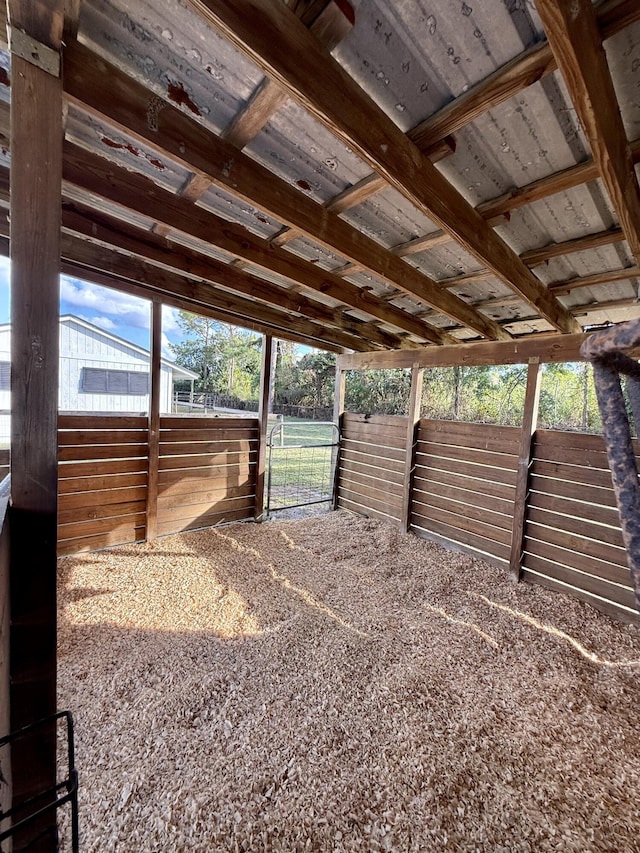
(415, 402)
(263, 418)
(529, 424)
(36, 175)
(338, 412)
(154, 419)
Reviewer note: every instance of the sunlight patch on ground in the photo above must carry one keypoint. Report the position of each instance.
(556, 632)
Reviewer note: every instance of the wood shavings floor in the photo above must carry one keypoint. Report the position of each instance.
(329, 684)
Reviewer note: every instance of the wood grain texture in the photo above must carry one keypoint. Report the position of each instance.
(188, 142)
(268, 345)
(548, 348)
(573, 34)
(154, 420)
(272, 37)
(529, 425)
(137, 193)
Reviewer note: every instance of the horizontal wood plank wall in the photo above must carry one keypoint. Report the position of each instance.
(372, 461)
(464, 486)
(573, 541)
(207, 471)
(102, 481)
(4, 464)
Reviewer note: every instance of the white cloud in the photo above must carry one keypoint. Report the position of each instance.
(104, 323)
(128, 310)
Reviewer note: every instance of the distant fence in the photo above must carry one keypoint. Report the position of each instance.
(463, 496)
(206, 402)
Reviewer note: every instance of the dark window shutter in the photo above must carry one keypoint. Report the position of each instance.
(5, 376)
(94, 380)
(138, 383)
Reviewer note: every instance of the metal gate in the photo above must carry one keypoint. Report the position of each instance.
(302, 461)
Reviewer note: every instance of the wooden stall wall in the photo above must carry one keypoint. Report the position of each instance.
(206, 471)
(371, 466)
(102, 481)
(206, 476)
(573, 540)
(464, 486)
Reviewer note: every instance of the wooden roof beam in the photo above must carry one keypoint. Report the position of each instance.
(155, 248)
(496, 209)
(545, 347)
(137, 193)
(506, 82)
(184, 140)
(516, 75)
(573, 34)
(277, 42)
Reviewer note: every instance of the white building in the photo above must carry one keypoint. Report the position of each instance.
(99, 372)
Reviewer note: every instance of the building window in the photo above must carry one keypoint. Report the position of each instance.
(5, 376)
(96, 380)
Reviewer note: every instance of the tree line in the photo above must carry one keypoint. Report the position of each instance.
(227, 361)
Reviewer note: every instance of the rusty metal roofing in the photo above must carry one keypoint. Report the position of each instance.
(412, 58)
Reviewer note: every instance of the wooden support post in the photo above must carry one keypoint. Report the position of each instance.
(338, 411)
(415, 403)
(263, 417)
(36, 176)
(529, 424)
(154, 419)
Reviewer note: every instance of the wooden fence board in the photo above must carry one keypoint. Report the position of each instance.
(185, 448)
(492, 475)
(468, 454)
(206, 461)
(591, 530)
(581, 562)
(102, 540)
(572, 473)
(351, 504)
(77, 437)
(462, 507)
(455, 534)
(179, 525)
(88, 422)
(615, 611)
(462, 522)
(589, 583)
(579, 544)
(464, 481)
(375, 452)
(105, 451)
(90, 513)
(97, 484)
(350, 476)
(93, 468)
(465, 494)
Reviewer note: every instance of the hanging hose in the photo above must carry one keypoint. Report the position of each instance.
(604, 350)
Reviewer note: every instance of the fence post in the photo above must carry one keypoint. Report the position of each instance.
(263, 418)
(413, 421)
(529, 424)
(154, 420)
(36, 174)
(338, 412)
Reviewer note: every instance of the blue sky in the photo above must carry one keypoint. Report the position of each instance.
(118, 313)
(123, 315)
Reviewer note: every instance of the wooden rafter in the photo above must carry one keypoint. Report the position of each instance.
(137, 193)
(184, 140)
(547, 348)
(277, 42)
(154, 248)
(511, 78)
(573, 34)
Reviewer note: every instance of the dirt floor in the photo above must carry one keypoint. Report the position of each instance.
(330, 684)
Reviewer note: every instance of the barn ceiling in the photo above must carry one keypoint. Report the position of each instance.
(357, 175)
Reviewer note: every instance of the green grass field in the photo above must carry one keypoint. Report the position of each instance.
(300, 472)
